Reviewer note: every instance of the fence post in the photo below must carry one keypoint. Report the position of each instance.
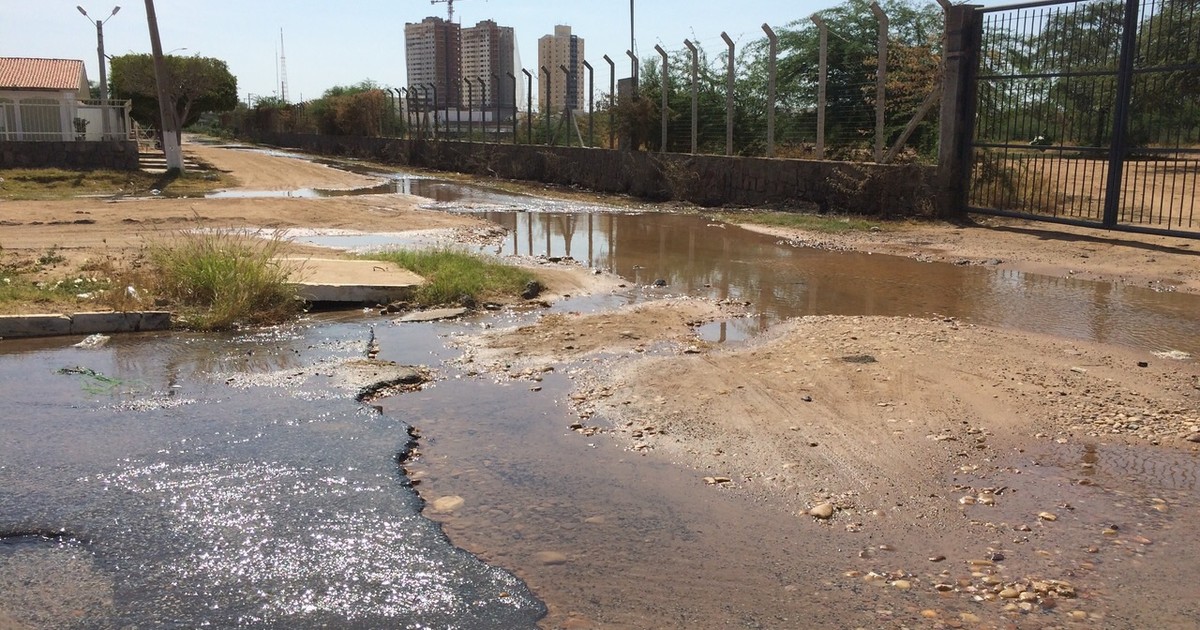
(496, 93)
(880, 80)
(528, 106)
(663, 115)
(612, 101)
(591, 102)
(956, 123)
(1119, 144)
(773, 53)
(695, 92)
(728, 97)
(822, 73)
(470, 108)
(512, 77)
(549, 138)
(565, 122)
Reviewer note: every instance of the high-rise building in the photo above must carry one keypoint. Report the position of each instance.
(562, 49)
(488, 53)
(433, 55)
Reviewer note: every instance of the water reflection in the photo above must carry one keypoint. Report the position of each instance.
(694, 256)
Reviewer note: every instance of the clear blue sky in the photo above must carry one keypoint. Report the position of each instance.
(331, 42)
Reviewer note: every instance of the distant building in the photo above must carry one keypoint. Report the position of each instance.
(562, 49)
(433, 55)
(488, 53)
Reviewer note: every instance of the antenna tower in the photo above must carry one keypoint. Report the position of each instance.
(283, 95)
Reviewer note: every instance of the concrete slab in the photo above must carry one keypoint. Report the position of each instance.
(45, 325)
(51, 325)
(352, 281)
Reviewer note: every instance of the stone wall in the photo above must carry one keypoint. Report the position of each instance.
(707, 180)
(116, 155)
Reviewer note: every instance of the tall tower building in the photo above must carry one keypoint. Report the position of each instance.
(433, 55)
(561, 49)
(487, 50)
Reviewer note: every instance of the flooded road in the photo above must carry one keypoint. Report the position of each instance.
(207, 480)
(219, 481)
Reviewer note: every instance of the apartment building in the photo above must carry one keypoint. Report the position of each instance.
(433, 56)
(488, 53)
(557, 51)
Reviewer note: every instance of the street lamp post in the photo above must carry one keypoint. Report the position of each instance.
(104, 123)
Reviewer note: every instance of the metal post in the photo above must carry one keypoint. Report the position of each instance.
(566, 101)
(166, 110)
(470, 119)
(662, 148)
(549, 139)
(956, 121)
(880, 80)
(512, 77)
(496, 97)
(695, 93)
(773, 53)
(612, 102)
(433, 88)
(591, 102)
(1120, 142)
(406, 109)
(482, 109)
(822, 74)
(634, 60)
(728, 97)
(528, 106)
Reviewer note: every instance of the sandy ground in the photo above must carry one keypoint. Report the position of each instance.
(892, 425)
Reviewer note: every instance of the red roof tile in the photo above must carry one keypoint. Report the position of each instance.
(40, 74)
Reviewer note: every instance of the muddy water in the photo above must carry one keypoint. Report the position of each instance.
(219, 481)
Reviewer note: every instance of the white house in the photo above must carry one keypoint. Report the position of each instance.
(46, 100)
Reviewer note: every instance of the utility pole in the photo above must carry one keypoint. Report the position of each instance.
(104, 118)
(166, 111)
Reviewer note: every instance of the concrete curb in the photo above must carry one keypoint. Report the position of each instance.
(50, 325)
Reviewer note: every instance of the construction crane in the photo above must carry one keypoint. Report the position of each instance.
(449, 8)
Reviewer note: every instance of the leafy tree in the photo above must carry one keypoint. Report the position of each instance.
(194, 85)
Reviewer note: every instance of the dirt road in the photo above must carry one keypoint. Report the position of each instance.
(986, 478)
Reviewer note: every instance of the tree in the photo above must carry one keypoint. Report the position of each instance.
(914, 54)
(194, 85)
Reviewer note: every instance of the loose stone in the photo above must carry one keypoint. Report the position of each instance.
(1047, 516)
(822, 511)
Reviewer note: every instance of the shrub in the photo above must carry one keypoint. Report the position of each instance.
(220, 280)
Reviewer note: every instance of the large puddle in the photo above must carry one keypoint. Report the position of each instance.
(662, 253)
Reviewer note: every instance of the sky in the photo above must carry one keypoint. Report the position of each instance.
(342, 42)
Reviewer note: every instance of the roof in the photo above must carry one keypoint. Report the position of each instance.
(40, 74)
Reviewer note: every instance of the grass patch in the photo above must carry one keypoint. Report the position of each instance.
(55, 183)
(810, 222)
(455, 277)
(222, 280)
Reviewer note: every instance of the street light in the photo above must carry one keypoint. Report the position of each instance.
(103, 71)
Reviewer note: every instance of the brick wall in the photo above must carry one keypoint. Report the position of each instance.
(707, 180)
(117, 155)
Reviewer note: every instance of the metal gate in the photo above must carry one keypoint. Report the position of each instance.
(1089, 113)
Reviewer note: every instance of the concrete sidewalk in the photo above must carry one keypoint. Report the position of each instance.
(352, 281)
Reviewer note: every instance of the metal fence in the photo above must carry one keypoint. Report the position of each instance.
(51, 120)
(846, 83)
(1089, 113)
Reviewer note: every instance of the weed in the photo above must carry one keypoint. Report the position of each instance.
(221, 280)
(455, 277)
(827, 223)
